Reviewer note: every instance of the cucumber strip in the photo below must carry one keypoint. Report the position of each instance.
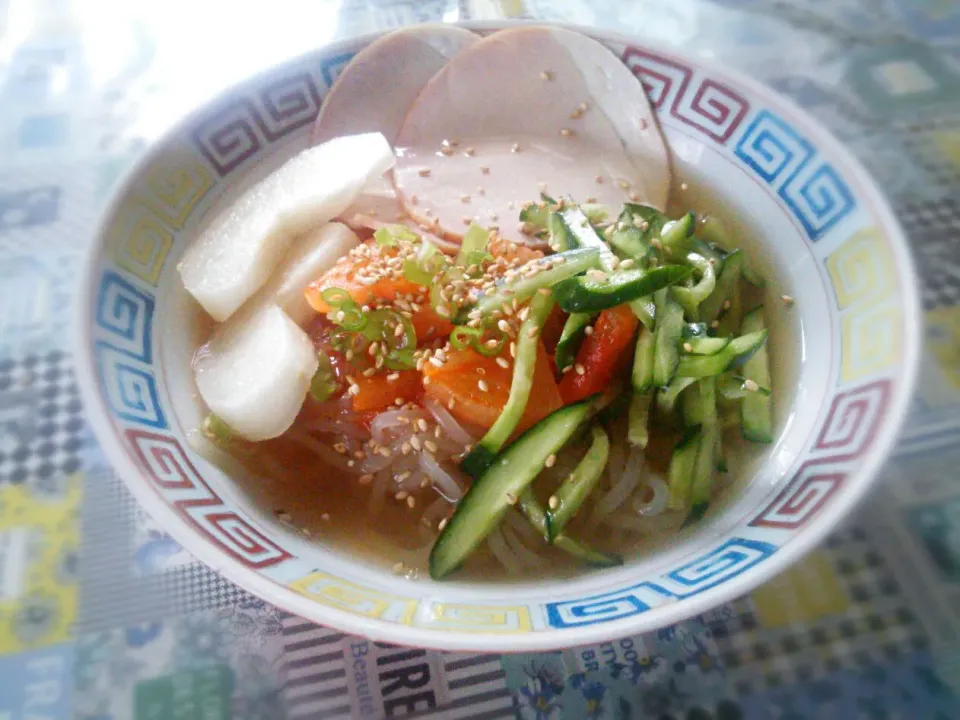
(573, 491)
(703, 469)
(588, 294)
(571, 337)
(705, 345)
(667, 397)
(583, 235)
(756, 410)
(489, 498)
(676, 235)
(528, 340)
(682, 464)
(558, 267)
(753, 277)
(634, 229)
(691, 297)
(739, 349)
(669, 327)
(595, 212)
(730, 318)
(716, 257)
(536, 516)
(643, 361)
(700, 403)
(561, 238)
(727, 282)
(712, 230)
(645, 310)
(693, 330)
(732, 387)
(638, 420)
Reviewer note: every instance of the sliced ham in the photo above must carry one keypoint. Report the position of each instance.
(521, 111)
(237, 253)
(375, 90)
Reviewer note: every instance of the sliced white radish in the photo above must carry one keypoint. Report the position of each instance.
(236, 254)
(256, 375)
(376, 88)
(522, 111)
(310, 256)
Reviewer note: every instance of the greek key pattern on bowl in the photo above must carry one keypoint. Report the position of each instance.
(711, 569)
(700, 102)
(809, 186)
(168, 466)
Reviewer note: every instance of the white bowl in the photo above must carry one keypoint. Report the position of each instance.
(849, 347)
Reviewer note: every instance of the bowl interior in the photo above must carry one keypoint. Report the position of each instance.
(845, 356)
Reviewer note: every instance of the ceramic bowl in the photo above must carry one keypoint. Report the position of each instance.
(848, 346)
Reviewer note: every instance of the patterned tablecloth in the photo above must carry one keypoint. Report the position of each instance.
(104, 617)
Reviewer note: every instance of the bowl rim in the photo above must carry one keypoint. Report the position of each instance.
(285, 598)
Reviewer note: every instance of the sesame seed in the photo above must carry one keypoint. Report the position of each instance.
(480, 191)
(414, 200)
(625, 264)
(465, 198)
(688, 347)
(553, 502)
(623, 184)
(448, 151)
(354, 390)
(582, 107)
(590, 199)
(443, 523)
(643, 123)
(513, 349)
(515, 148)
(684, 186)
(369, 372)
(393, 377)
(726, 305)
(425, 483)
(551, 460)
(430, 445)
(787, 300)
(469, 151)
(634, 197)
(405, 448)
(452, 404)
(426, 381)
(415, 442)
(365, 479)
(494, 216)
(546, 75)
(503, 362)
(398, 402)
(351, 463)
(715, 324)
(750, 385)
(598, 179)
(588, 330)
(325, 517)
(283, 516)
(402, 495)
(411, 501)
(446, 143)
(511, 498)
(532, 332)
(466, 219)
(436, 361)
(503, 325)
(398, 568)
(565, 370)
(482, 384)
(340, 448)
(566, 132)
(485, 169)
(579, 369)
(422, 424)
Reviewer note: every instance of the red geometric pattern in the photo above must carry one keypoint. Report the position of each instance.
(851, 425)
(166, 463)
(800, 500)
(711, 107)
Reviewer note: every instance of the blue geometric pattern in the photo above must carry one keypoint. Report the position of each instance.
(130, 388)
(813, 190)
(126, 314)
(723, 563)
(331, 66)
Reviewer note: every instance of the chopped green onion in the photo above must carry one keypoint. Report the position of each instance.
(484, 348)
(335, 297)
(324, 381)
(400, 360)
(427, 264)
(463, 337)
(391, 235)
(475, 240)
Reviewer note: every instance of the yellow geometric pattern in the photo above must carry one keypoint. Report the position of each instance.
(476, 618)
(872, 339)
(39, 541)
(862, 271)
(175, 184)
(343, 595)
(808, 591)
(139, 243)
(862, 268)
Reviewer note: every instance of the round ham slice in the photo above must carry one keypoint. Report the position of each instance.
(374, 92)
(377, 87)
(523, 111)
